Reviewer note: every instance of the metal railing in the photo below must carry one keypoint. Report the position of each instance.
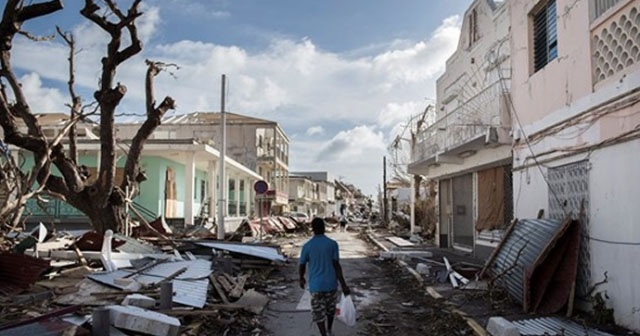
(467, 121)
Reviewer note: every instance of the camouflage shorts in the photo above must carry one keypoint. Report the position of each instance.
(323, 304)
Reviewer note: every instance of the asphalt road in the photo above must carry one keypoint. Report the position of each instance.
(290, 315)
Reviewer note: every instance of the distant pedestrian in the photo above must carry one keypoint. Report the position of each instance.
(343, 217)
(322, 255)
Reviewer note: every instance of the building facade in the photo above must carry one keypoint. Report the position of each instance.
(575, 89)
(303, 193)
(181, 178)
(323, 205)
(468, 148)
(258, 144)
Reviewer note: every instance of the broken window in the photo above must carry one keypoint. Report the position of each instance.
(545, 35)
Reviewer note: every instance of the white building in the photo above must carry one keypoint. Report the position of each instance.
(468, 149)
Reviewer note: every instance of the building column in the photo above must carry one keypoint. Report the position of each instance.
(190, 172)
(226, 196)
(212, 189)
(237, 196)
(247, 197)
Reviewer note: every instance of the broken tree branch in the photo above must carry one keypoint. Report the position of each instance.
(108, 95)
(76, 101)
(132, 171)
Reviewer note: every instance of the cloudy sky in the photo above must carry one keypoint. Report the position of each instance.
(339, 76)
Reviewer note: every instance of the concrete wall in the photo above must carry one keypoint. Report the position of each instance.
(467, 64)
(152, 190)
(614, 217)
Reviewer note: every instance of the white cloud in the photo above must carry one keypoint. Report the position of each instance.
(355, 154)
(194, 9)
(315, 130)
(41, 99)
(350, 145)
(394, 113)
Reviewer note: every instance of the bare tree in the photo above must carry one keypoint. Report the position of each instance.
(100, 198)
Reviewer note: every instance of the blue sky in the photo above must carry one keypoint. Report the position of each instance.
(339, 76)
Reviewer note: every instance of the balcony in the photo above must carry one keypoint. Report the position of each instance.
(482, 120)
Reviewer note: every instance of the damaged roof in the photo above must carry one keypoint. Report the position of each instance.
(264, 252)
(189, 287)
(534, 254)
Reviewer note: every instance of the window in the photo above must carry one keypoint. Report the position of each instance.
(545, 35)
(598, 7)
(473, 27)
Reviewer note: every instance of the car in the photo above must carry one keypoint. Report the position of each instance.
(300, 217)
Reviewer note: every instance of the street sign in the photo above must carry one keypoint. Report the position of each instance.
(261, 187)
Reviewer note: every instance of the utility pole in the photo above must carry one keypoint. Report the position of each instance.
(384, 190)
(222, 200)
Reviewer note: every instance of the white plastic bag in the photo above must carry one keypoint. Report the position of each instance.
(346, 311)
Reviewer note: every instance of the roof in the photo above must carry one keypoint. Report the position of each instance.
(321, 176)
(214, 118)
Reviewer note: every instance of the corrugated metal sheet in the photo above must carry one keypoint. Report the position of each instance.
(190, 287)
(264, 252)
(132, 245)
(553, 326)
(520, 251)
(288, 223)
(19, 271)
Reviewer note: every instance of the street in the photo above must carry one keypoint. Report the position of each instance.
(388, 300)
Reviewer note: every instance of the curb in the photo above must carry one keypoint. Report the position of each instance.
(478, 330)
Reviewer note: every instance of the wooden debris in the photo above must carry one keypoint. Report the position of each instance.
(228, 287)
(218, 289)
(237, 291)
(231, 279)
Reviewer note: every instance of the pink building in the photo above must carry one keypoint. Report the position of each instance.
(575, 89)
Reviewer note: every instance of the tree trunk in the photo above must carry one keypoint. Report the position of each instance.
(112, 217)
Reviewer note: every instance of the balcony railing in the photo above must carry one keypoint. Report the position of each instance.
(483, 110)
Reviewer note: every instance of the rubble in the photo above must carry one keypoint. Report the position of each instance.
(127, 277)
(144, 321)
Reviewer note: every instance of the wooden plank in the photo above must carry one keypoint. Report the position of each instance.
(237, 291)
(219, 290)
(214, 309)
(231, 279)
(400, 242)
(225, 283)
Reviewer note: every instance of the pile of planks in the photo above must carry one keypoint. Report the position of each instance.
(228, 288)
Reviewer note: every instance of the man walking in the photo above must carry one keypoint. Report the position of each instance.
(322, 255)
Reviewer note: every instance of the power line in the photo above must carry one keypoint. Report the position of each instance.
(526, 139)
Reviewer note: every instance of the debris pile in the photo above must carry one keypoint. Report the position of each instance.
(167, 284)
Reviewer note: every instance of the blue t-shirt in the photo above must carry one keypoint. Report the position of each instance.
(320, 252)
